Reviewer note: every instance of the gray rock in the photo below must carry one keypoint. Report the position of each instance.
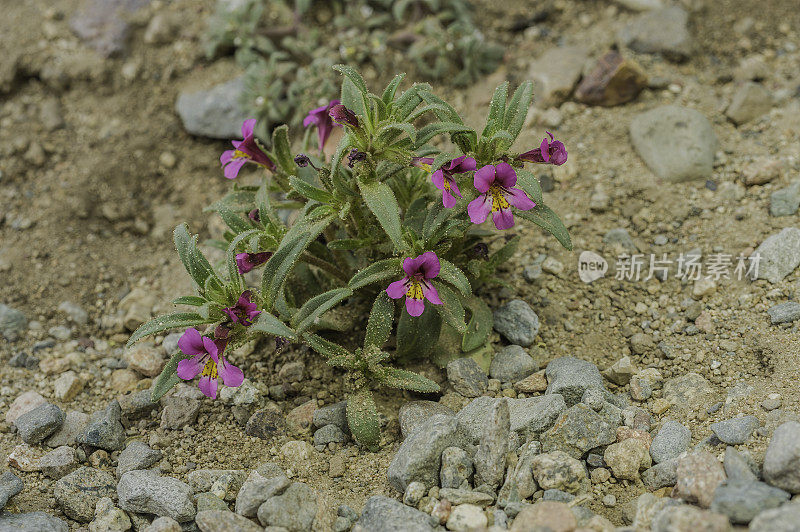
(382, 514)
(688, 392)
(10, 485)
(144, 491)
(329, 434)
(735, 431)
(739, 467)
(58, 462)
(660, 132)
(750, 101)
(209, 501)
(12, 323)
(32, 522)
(672, 439)
(517, 322)
(466, 377)
(413, 414)
(466, 496)
(782, 459)
(259, 487)
(170, 343)
(619, 236)
(135, 406)
(73, 310)
(457, 468)
(685, 517)
(779, 255)
(335, 414)
(520, 483)
(179, 412)
(419, 456)
(621, 371)
(556, 72)
(39, 423)
(77, 493)
(74, 424)
(264, 423)
(137, 455)
(558, 470)
(228, 480)
(215, 112)
(698, 475)
(578, 430)
(570, 377)
(742, 501)
(490, 458)
(511, 364)
(783, 519)
(105, 429)
(784, 312)
(661, 475)
(784, 202)
(557, 495)
(294, 510)
(224, 521)
(414, 493)
(663, 31)
(528, 415)
(103, 25)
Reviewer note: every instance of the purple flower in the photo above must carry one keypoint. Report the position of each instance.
(355, 156)
(550, 152)
(244, 311)
(321, 118)
(247, 261)
(254, 215)
(246, 150)
(443, 178)
(415, 285)
(343, 116)
(495, 183)
(208, 362)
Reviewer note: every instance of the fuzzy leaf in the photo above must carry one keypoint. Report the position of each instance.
(195, 263)
(230, 257)
(379, 326)
(269, 324)
(408, 380)
(353, 75)
(416, 337)
(444, 111)
(480, 324)
(282, 149)
(310, 191)
(240, 200)
(391, 89)
(517, 110)
(409, 100)
(497, 109)
(349, 244)
(381, 201)
(168, 377)
(363, 420)
(335, 353)
(452, 311)
(453, 275)
(427, 132)
(193, 301)
(317, 306)
(167, 322)
(377, 271)
(528, 182)
(393, 129)
(544, 217)
(233, 220)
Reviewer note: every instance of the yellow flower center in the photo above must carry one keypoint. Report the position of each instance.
(499, 201)
(210, 369)
(426, 167)
(415, 290)
(239, 154)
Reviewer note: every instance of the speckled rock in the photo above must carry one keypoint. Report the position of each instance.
(466, 377)
(779, 254)
(517, 322)
(224, 521)
(626, 458)
(39, 423)
(671, 440)
(578, 430)
(214, 112)
(58, 462)
(382, 514)
(457, 468)
(144, 491)
(742, 501)
(137, 455)
(570, 377)
(511, 364)
(10, 485)
(32, 522)
(783, 519)
(413, 414)
(294, 510)
(698, 473)
(685, 517)
(77, 493)
(545, 515)
(662, 31)
(782, 459)
(105, 429)
(735, 431)
(259, 487)
(558, 470)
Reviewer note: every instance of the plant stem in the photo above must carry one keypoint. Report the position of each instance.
(322, 264)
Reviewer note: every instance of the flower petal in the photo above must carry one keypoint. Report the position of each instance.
(454, 188)
(226, 157)
(191, 342)
(484, 178)
(208, 386)
(479, 208)
(519, 199)
(232, 376)
(412, 265)
(397, 289)
(448, 200)
(211, 348)
(467, 164)
(545, 149)
(503, 219)
(232, 168)
(506, 175)
(310, 119)
(430, 265)
(438, 179)
(415, 307)
(431, 294)
(188, 368)
(247, 127)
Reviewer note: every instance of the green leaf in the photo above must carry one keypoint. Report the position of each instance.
(480, 324)
(427, 132)
(528, 182)
(517, 110)
(317, 306)
(233, 220)
(167, 322)
(416, 336)
(336, 167)
(391, 89)
(230, 257)
(453, 275)
(294, 242)
(544, 217)
(310, 191)
(443, 110)
(379, 326)
(330, 350)
(353, 75)
(195, 263)
(282, 149)
(168, 377)
(352, 98)
(409, 100)
(194, 301)
(349, 244)
(240, 200)
(397, 127)
(497, 109)
(363, 419)
(502, 139)
(408, 380)
(375, 272)
(452, 311)
(381, 201)
(269, 324)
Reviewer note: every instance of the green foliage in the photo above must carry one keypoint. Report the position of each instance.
(358, 219)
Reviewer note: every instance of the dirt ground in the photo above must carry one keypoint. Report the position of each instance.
(89, 206)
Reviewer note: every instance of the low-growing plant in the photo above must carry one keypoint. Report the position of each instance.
(389, 221)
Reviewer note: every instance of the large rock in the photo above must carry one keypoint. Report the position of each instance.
(626, 458)
(382, 514)
(570, 377)
(783, 519)
(613, 81)
(782, 460)
(294, 510)
(103, 24)
(662, 31)
(578, 430)
(735, 431)
(779, 255)
(658, 134)
(531, 415)
(750, 101)
(687, 393)
(419, 456)
(137, 455)
(10, 485)
(671, 440)
(545, 515)
(105, 429)
(698, 475)
(556, 72)
(742, 501)
(260, 486)
(517, 322)
(32, 522)
(215, 112)
(414, 414)
(77, 493)
(684, 517)
(466, 377)
(490, 459)
(144, 491)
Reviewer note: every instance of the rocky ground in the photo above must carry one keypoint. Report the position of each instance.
(663, 403)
